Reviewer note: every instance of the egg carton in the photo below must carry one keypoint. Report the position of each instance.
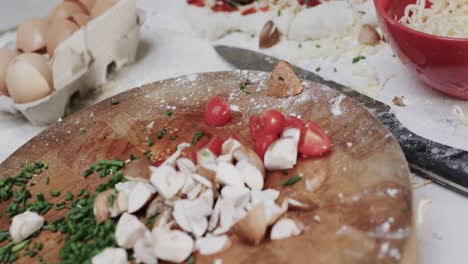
(82, 61)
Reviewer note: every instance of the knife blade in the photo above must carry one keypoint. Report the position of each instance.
(442, 164)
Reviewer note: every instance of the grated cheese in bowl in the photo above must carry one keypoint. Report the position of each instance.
(447, 18)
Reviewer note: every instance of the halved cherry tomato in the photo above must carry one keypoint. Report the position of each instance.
(262, 143)
(214, 145)
(294, 122)
(217, 112)
(270, 122)
(314, 142)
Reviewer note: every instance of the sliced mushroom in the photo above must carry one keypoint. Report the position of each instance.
(171, 160)
(229, 215)
(172, 245)
(164, 219)
(212, 245)
(282, 154)
(257, 197)
(129, 230)
(140, 196)
(156, 206)
(195, 192)
(189, 184)
(274, 211)
(200, 179)
(206, 158)
(253, 226)
(24, 225)
(285, 228)
(227, 150)
(167, 181)
(240, 195)
(191, 215)
(137, 169)
(269, 36)
(209, 172)
(368, 35)
(214, 218)
(248, 154)
(296, 205)
(121, 204)
(111, 255)
(185, 165)
(102, 207)
(252, 176)
(143, 250)
(228, 174)
(283, 82)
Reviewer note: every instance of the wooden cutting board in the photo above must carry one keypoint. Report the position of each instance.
(360, 212)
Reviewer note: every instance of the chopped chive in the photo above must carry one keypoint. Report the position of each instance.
(112, 200)
(334, 69)
(169, 112)
(151, 221)
(82, 131)
(291, 181)
(133, 157)
(406, 209)
(358, 58)
(172, 138)
(317, 69)
(117, 163)
(68, 196)
(149, 142)
(81, 193)
(300, 45)
(191, 260)
(279, 13)
(196, 137)
(285, 172)
(317, 46)
(60, 206)
(54, 193)
(114, 101)
(19, 246)
(160, 134)
(47, 180)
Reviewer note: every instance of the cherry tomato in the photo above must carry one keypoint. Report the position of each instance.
(294, 122)
(217, 112)
(234, 136)
(314, 142)
(214, 145)
(262, 143)
(270, 122)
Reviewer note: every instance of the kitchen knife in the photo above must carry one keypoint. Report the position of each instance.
(442, 164)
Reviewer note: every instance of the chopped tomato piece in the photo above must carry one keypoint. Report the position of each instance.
(314, 142)
(310, 3)
(264, 8)
(262, 143)
(249, 11)
(222, 6)
(294, 122)
(270, 122)
(217, 112)
(199, 3)
(214, 145)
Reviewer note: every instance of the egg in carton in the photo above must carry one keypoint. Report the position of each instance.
(82, 61)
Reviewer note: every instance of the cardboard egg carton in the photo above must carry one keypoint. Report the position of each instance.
(82, 61)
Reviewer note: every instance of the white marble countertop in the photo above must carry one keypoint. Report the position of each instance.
(170, 49)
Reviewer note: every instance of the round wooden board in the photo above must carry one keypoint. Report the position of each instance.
(360, 212)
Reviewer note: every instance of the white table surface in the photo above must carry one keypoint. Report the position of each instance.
(169, 48)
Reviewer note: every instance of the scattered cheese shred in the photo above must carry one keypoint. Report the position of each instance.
(446, 18)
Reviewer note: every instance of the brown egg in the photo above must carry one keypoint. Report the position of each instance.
(101, 6)
(79, 19)
(29, 78)
(6, 55)
(66, 9)
(88, 4)
(59, 30)
(31, 35)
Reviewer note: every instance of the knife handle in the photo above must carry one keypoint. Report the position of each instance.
(443, 164)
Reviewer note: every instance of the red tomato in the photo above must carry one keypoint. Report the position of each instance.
(199, 3)
(294, 122)
(270, 122)
(264, 8)
(215, 144)
(249, 11)
(310, 3)
(314, 142)
(262, 143)
(217, 112)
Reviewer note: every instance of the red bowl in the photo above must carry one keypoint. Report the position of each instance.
(440, 62)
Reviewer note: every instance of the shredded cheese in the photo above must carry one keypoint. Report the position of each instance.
(447, 18)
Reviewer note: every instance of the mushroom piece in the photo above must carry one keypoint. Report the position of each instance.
(167, 180)
(282, 154)
(239, 195)
(228, 174)
(294, 204)
(129, 230)
(252, 176)
(171, 160)
(257, 197)
(191, 215)
(156, 206)
(137, 169)
(229, 215)
(139, 196)
(24, 225)
(200, 179)
(102, 207)
(172, 245)
(206, 158)
(195, 192)
(207, 172)
(111, 255)
(212, 245)
(283, 82)
(214, 218)
(285, 228)
(253, 226)
(185, 165)
(368, 35)
(269, 36)
(274, 211)
(227, 149)
(248, 154)
(143, 250)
